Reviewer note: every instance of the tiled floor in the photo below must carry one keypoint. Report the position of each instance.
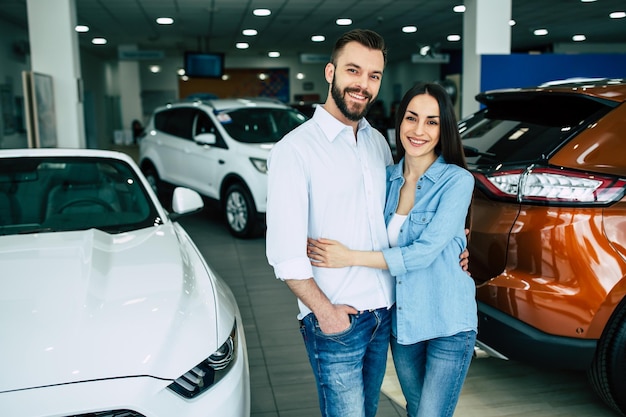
(282, 383)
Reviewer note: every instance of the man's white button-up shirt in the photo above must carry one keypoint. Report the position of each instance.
(324, 182)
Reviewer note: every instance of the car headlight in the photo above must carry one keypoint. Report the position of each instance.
(208, 372)
(259, 164)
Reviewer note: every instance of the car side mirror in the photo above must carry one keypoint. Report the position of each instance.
(206, 139)
(185, 201)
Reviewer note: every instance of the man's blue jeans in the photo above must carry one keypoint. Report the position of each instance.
(349, 367)
(431, 373)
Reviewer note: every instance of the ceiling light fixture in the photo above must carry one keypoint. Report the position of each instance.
(81, 28)
(617, 15)
(454, 38)
(249, 32)
(261, 12)
(540, 32)
(155, 69)
(99, 41)
(512, 22)
(343, 22)
(273, 54)
(165, 20)
(409, 29)
(424, 50)
(318, 38)
(459, 9)
(242, 45)
(579, 38)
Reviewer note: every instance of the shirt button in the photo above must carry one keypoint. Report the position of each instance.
(419, 187)
(399, 308)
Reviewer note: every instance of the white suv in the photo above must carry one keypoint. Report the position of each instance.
(218, 148)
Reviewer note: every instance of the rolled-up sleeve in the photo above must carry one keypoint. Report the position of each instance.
(287, 214)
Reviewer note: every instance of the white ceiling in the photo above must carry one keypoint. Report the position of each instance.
(216, 25)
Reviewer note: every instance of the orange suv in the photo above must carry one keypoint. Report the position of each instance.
(548, 240)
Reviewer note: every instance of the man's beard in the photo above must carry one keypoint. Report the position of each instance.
(338, 97)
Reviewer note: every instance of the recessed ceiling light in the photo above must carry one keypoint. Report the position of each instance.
(343, 22)
(261, 12)
(318, 38)
(587, 1)
(165, 20)
(242, 45)
(454, 38)
(512, 22)
(250, 32)
(273, 54)
(99, 41)
(155, 69)
(181, 71)
(459, 9)
(300, 76)
(540, 32)
(81, 28)
(579, 38)
(617, 15)
(409, 29)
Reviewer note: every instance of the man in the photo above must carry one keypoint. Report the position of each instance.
(327, 179)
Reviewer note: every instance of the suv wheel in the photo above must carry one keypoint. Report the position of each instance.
(153, 178)
(609, 365)
(239, 211)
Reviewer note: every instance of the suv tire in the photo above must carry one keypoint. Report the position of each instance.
(239, 211)
(607, 371)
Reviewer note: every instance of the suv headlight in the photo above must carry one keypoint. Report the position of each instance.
(259, 164)
(208, 372)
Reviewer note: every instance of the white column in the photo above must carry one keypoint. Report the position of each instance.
(486, 31)
(130, 89)
(54, 52)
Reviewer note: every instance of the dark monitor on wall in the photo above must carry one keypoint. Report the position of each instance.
(204, 65)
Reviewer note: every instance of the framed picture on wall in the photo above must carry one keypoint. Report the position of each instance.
(39, 109)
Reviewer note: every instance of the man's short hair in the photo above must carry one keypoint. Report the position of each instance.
(365, 37)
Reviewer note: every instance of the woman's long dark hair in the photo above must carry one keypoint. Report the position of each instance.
(450, 145)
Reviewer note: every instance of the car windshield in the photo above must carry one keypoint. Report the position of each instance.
(260, 125)
(525, 128)
(50, 194)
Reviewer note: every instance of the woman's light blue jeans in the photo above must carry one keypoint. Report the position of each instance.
(349, 367)
(431, 373)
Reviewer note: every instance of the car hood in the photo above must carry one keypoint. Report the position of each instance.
(86, 305)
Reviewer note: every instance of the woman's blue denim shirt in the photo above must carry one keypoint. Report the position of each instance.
(434, 296)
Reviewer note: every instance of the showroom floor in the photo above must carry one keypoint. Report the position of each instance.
(282, 383)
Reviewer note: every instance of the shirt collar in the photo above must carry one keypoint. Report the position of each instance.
(333, 127)
(434, 172)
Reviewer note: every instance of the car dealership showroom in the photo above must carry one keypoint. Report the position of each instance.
(136, 213)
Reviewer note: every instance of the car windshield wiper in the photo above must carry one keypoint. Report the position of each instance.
(471, 151)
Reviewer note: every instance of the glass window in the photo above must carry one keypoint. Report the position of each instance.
(175, 121)
(525, 128)
(260, 125)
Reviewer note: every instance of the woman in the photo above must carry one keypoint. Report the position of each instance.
(428, 198)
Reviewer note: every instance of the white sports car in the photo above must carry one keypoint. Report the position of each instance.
(107, 308)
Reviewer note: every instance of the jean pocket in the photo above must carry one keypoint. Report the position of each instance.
(345, 332)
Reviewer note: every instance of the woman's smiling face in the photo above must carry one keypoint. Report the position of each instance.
(419, 131)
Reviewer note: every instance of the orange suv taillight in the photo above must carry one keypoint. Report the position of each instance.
(552, 186)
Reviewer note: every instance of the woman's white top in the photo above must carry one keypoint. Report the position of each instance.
(393, 228)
